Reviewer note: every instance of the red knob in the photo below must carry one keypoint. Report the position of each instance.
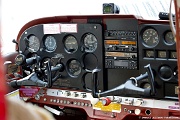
(106, 101)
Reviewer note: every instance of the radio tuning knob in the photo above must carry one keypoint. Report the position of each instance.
(131, 48)
(115, 47)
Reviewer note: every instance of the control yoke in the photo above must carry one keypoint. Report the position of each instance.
(33, 79)
(128, 88)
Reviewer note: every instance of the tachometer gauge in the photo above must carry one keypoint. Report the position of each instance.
(74, 68)
(169, 38)
(33, 44)
(90, 43)
(70, 44)
(150, 37)
(50, 43)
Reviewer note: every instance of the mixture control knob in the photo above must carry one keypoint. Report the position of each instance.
(106, 101)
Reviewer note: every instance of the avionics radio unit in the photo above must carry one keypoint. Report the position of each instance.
(121, 49)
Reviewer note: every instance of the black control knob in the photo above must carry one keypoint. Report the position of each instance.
(115, 48)
(131, 48)
(165, 72)
(133, 56)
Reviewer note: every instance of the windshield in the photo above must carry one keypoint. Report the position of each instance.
(16, 13)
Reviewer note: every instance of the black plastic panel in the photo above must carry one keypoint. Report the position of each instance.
(87, 59)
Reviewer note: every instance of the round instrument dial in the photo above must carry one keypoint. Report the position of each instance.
(70, 44)
(74, 68)
(50, 43)
(33, 44)
(169, 38)
(90, 43)
(150, 37)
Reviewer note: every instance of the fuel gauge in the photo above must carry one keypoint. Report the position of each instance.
(149, 53)
(173, 55)
(162, 54)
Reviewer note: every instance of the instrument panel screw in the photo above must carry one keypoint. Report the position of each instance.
(113, 115)
(37, 97)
